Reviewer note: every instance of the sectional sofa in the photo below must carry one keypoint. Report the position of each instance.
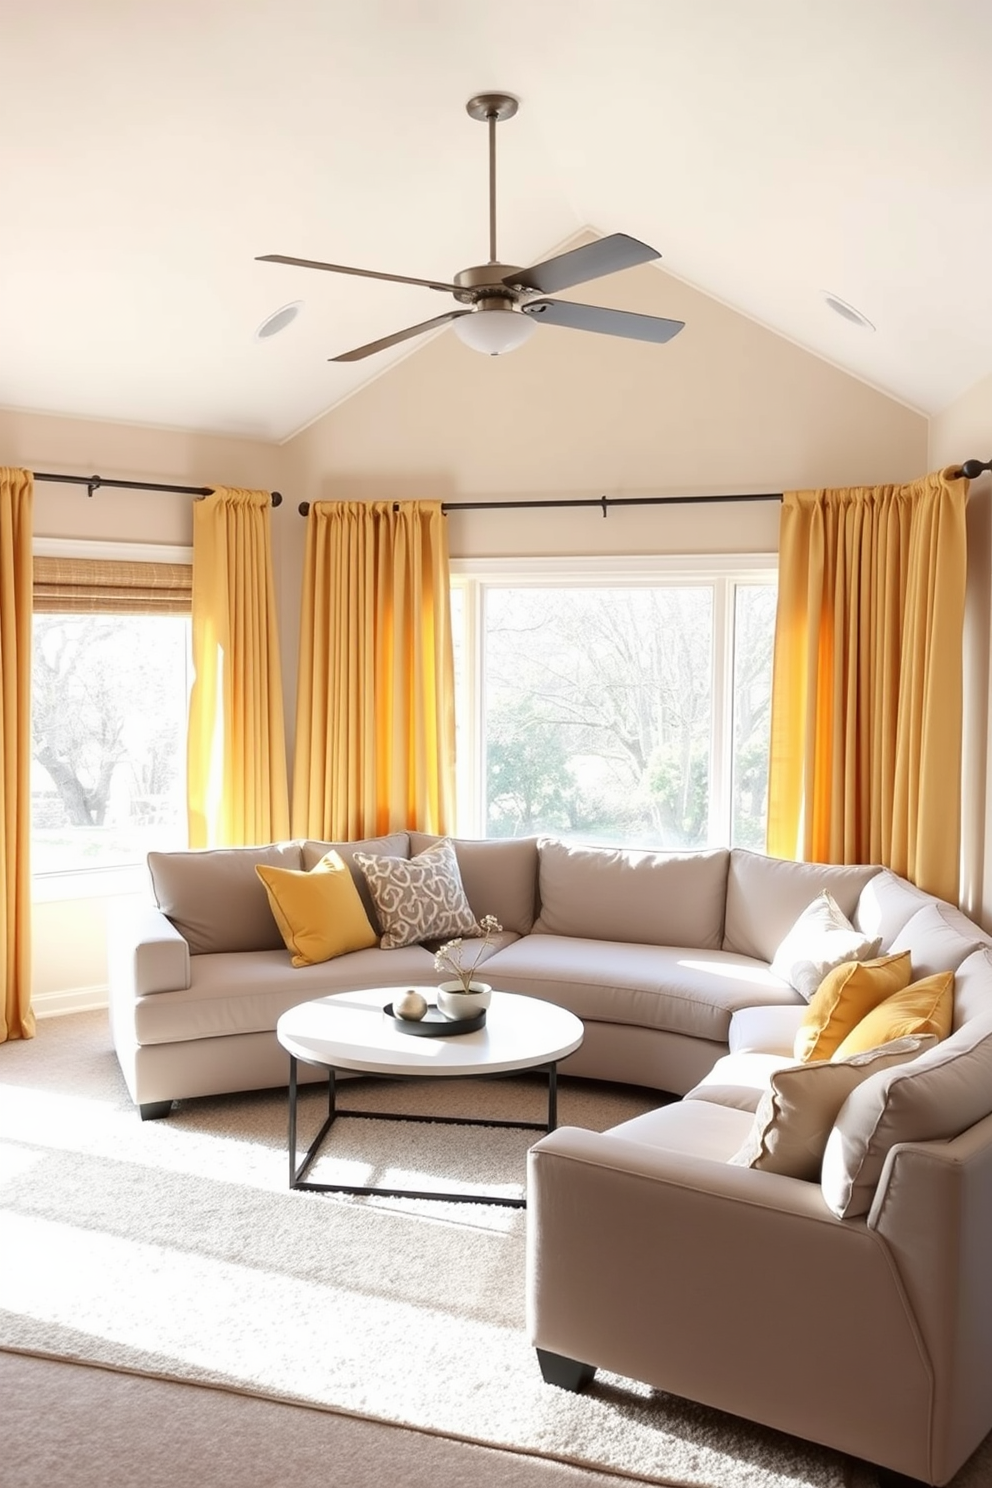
(654, 952)
(845, 1296)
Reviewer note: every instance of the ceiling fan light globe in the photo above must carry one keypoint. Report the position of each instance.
(495, 331)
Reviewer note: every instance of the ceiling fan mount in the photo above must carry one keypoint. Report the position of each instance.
(503, 301)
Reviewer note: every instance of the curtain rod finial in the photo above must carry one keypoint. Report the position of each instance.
(304, 508)
(972, 469)
(277, 498)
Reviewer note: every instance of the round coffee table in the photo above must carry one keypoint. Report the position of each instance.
(348, 1031)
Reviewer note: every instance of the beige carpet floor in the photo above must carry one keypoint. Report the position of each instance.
(173, 1253)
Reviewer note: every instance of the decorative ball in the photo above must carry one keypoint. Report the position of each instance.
(411, 1006)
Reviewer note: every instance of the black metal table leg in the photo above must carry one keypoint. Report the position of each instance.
(297, 1172)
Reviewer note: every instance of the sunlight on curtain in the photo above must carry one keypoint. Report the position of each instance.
(375, 731)
(865, 762)
(237, 781)
(16, 507)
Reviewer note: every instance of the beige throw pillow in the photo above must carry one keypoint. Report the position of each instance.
(935, 1100)
(419, 898)
(796, 1114)
(821, 938)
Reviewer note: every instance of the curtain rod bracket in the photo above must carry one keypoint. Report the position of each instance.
(93, 484)
(606, 505)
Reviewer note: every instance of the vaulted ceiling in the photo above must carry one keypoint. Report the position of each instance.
(772, 151)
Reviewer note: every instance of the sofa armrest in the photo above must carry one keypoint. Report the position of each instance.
(708, 1280)
(146, 953)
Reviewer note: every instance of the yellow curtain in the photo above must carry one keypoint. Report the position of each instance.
(375, 731)
(236, 755)
(865, 762)
(16, 504)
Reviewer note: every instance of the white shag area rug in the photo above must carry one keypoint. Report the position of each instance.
(175, 1248)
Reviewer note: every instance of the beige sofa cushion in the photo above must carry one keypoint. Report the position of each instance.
(740, 1080)
(886, 903)
(644, 898)
(938, 937)
(821, 939)
(499, 875)
(765, 897)
(664, 987)
(796, 1114)
(973, 988)
(215, 898)
(935, 1098)
(696, 1129)
(396, 845)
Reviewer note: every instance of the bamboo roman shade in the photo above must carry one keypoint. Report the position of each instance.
(101, 586)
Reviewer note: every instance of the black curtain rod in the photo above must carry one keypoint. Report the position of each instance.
(94, 482)
(971, 469)
(603, 503)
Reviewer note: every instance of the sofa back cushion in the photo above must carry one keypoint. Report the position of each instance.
(765, 897)
(215, 898)
(938, 937)
(886, 903)
(643, 898)
(396, 845)
(973, 988)
(937, 1097)
(499, 875)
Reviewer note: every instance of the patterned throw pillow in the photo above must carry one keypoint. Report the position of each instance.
(419, 898)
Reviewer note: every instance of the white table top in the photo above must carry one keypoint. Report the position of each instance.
(348, 1030)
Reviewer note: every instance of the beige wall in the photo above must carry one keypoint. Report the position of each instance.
(727, 407)
(964, 432)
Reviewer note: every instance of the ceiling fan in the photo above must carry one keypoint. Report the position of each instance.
(501, 302)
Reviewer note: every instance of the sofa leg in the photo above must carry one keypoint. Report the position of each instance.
(568, 1374)
(155, 1110)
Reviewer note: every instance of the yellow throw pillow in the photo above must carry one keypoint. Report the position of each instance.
(320, 914)
(926, 1006)
(845, 996)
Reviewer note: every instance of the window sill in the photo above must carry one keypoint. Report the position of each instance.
(89, 883)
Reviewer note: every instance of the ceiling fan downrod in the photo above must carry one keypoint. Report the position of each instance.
(491, 109)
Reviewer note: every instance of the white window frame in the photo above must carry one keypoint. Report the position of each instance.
(98, 883)
(722, 571)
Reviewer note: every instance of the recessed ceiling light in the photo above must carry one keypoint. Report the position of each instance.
(846, 311)
(278, 320)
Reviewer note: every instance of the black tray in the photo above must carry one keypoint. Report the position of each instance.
(434, 1024)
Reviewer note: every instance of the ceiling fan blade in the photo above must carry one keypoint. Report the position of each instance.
(310, 263)
(416, 330)
(606, 256)
(609, 322)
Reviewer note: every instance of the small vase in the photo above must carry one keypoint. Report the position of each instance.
(454, 1002)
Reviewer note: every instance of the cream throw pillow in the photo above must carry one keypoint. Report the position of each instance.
(845, 996)
(796, 1114)
(320, 914)
(419, 898)
(822, 938)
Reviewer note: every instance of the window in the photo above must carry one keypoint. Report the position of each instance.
(615, 701)
(110, 689)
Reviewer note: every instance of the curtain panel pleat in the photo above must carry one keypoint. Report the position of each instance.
(375, 729)
(16, 512)
(101, 586)
(236, 751)
(865, 759)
